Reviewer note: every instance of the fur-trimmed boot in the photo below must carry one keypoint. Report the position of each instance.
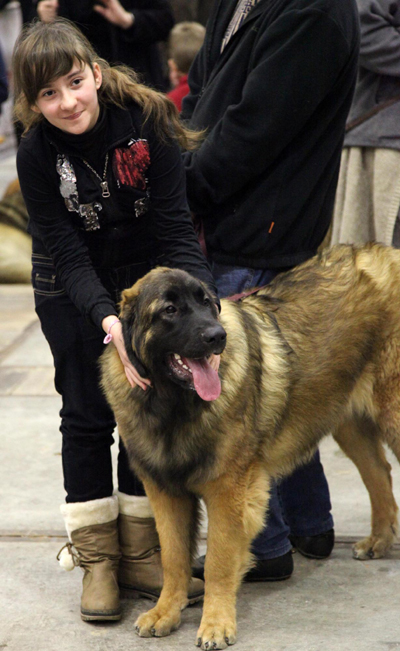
(92, 529)
(140, 570)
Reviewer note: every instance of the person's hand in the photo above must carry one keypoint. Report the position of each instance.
(131, 373)
(214, 362)
(113, 11)
(47, 10)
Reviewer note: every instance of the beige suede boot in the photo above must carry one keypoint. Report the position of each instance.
(140, 570)
(93, 533)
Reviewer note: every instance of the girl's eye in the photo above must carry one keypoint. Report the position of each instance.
(76, 82)
(47, 93)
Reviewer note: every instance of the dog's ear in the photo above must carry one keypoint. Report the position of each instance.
(129, 296)
(128, 306)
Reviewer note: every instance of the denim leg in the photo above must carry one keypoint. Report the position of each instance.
(305, 501)
(302, 500)
(273, 540)
(233, 280)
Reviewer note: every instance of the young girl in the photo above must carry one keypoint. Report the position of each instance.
(101, 174)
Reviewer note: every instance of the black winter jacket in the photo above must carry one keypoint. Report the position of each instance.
(145, 218)
(275, 104)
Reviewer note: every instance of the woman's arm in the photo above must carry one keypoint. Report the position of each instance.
(380, 36)
(140, 22)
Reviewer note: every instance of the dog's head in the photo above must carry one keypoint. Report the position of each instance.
(170, 325)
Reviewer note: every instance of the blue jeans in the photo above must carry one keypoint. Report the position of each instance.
(299, 504)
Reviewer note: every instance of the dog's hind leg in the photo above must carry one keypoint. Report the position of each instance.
(177, 524)
(360, 440)
(236, 506)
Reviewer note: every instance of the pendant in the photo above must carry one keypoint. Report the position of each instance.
(105, 191)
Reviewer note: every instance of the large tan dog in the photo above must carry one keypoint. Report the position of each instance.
(316, 352)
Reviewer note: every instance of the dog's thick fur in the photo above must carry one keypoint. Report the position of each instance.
(315, 352)
(15, 243)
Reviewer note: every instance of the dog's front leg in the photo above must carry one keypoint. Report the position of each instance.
(176, 521)
(236, 506)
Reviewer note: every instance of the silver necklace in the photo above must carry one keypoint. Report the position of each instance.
(105, 192)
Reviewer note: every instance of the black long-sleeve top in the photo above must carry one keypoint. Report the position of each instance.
(146, 216)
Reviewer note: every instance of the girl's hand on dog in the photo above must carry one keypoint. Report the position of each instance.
(131, 373)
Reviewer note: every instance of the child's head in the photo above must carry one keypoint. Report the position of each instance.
(185, 40)
(47, 53)
(43, 53)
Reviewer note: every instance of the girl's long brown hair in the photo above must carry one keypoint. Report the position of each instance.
(45, 51)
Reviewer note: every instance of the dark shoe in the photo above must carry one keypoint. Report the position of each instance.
(273, 569)
(319, 546)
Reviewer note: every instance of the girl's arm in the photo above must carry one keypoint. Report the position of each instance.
(112, 325)
(173, 223)
(50, 222)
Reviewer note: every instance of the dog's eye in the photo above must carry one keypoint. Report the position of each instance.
(206, 301)
(171, 309)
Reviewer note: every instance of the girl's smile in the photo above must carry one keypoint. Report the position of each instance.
(70, 103)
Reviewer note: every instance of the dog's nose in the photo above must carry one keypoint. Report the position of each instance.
(214, 335)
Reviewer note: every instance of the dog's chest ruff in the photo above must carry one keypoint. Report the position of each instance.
(175, 454)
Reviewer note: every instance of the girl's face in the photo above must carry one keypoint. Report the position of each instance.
(70, 103)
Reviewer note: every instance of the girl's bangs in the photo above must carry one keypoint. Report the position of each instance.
(45, 66)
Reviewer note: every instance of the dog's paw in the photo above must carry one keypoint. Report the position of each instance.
(216, 636)
(156, 623)
(372, 547)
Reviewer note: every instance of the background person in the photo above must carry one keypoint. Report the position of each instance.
(368, 195)
(185, 40)
(125, 32)
(101, 174)
(272, 85)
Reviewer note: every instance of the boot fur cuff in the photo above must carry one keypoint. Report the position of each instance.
(85, 514)
(136, 505)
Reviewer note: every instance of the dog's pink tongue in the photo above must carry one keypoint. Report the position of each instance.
(206, 380)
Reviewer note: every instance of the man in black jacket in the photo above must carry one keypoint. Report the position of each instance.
(272, 85)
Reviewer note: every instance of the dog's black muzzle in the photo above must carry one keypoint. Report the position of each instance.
(214, 337)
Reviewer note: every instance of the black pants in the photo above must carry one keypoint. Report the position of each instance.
(87, 422)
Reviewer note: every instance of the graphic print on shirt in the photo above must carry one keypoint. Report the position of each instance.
(69, 192)
(130, 165)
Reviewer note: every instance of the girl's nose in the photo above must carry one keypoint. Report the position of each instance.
(68, 101)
